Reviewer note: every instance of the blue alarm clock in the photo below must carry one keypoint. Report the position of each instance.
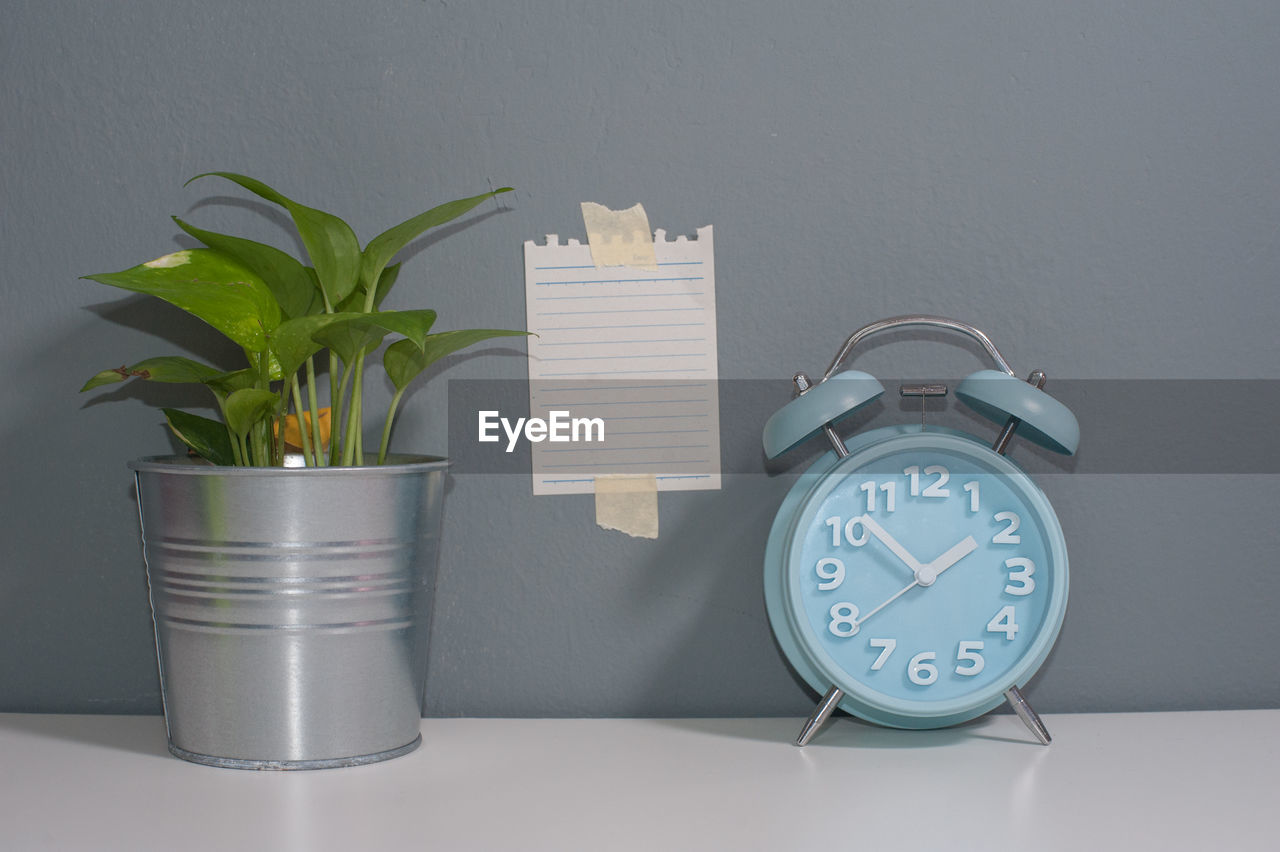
(914, 576)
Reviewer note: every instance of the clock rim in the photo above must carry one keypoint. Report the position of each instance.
(815, 666)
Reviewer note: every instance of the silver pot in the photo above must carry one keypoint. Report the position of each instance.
(291, 607)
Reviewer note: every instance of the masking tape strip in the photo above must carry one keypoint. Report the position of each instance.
(628, 503)
(619, 237)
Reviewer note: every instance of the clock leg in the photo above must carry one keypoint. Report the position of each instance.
(1020, 706)
(1027, 715)
(820, 714)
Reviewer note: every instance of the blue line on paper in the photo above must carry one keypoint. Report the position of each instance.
(623, 281)
(635, 402)
(619, 372)
(650, 340)
(626, 449)
(660, 263)
(621, 463)
(615, 311)
(623, 387)
(622, 296)
(648, 325)
(654, 417)
(616, 357)
(660, 476)
(658, 432)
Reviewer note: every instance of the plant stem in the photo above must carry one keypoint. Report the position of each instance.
(236, 454)
(303, 428)
(386, 429)
(349, 438)
(320, 455)
(357, 399)
(338, 423)
(261, 443)
(358, 460)
(275, 429)
(260, 432)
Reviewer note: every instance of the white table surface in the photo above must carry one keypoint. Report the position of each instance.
(1167, 781)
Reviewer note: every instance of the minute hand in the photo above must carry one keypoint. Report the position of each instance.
(890, 542)
(927, 574)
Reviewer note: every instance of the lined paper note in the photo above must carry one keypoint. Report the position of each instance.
(631, 349)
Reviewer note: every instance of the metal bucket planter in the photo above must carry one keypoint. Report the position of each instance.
(291, 607)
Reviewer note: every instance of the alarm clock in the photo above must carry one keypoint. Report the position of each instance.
(914, 576)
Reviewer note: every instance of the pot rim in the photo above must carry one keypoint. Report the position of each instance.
(397, 463)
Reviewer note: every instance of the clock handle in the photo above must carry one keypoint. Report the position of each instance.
(918, 320)
(1028, 716)
(820, 714)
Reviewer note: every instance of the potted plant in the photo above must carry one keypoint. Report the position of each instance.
(290, 570)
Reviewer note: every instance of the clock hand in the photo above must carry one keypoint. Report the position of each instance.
(890, 542)
(927, 574)
(896, 595)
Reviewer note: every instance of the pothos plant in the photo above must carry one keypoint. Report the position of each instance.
(285, 315)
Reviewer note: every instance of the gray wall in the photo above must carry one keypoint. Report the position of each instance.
(1097, 184)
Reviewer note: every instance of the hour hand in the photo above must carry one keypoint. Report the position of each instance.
(926, 574)
(890, 542)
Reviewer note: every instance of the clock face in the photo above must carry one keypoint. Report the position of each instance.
(923, 575)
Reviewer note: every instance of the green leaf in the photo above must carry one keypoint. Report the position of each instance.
(225, 383)
(355, 302)
(411, 324)
(330, 242)
(351, 332)
(108, 377)
(209, 285)
(380, 250)
(247, 406)
(207, 437)
(288, 279)
(386, 281)
(351, 335)
(273, 371)
(254, 185)
(168, 368)
(403, 360)
(294, 341)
